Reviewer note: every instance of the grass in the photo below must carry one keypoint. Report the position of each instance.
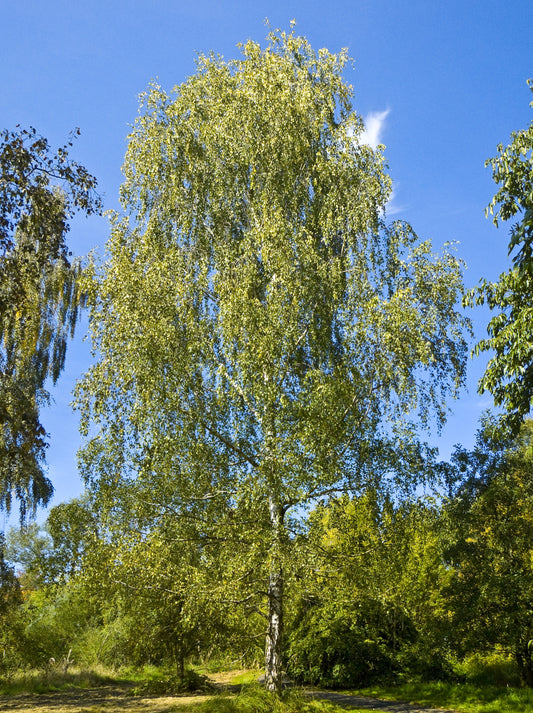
(245, 677)
(254, 699)
(462, 697)
(46, 681)
(67, 696)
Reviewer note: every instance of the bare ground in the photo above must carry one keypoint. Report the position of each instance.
(105, 699)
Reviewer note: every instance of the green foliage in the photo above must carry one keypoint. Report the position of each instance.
(333, 649)
(493, 669)
(10, 606)
(39, 299)
(369, 605)
(52, 678)
(259, 327)
(164, 593)
(73, 528)
(56, 620)
(189, 681)
(509, 373)
(55, 552)
(124, 598)
(10, 593)
(490, 535)
(58, 612)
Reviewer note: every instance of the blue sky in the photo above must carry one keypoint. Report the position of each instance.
(441, 82)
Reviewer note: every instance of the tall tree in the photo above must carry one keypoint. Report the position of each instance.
(257, 323)
(509, 373)
(39, 299)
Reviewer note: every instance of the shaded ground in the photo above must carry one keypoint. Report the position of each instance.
(348, 702)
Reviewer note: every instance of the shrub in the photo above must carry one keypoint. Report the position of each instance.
(337, 652)
(172, 684)
(494, 669)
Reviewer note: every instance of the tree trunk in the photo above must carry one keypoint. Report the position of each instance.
(525, 665)
(181, 664)
(274, 636)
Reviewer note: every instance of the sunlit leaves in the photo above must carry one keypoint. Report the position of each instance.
(256, 320)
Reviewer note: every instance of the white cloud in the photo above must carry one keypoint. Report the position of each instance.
(374, 126)
(372, 136)
(393, 207)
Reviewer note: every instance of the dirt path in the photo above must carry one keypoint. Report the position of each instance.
(348, 702)
(104, 699)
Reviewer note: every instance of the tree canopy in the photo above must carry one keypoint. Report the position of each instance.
(39, 299)
(509, 373)
(261, 330)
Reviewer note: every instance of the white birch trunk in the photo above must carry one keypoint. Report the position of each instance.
(274, 636)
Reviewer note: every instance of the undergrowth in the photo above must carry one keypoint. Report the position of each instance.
(192, 682)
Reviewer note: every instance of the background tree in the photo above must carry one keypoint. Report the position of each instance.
(258, 325)
(39, 299)
(61, 610)
(490, 527)
(162, 574)
(369, 604)
(509, 373)
(10, 607)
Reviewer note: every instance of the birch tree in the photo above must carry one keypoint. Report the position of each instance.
(39, 300)
(259, 328)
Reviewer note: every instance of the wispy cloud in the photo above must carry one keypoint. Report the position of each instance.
(372, 136)
(374, 126)
(393, 207)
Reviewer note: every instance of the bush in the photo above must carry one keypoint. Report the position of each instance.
(422, 660)
(495, 669)
(190, 682)
(367, 642)
(337, 653)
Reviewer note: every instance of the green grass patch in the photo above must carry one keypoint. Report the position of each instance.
(219, 664)
(254, 699)
(462, 697)
(46, 681)
(246, 677)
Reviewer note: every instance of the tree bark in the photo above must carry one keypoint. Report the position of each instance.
(181, 663)
(274, 636)
(525, 665)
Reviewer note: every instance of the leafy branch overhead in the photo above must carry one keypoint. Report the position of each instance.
(39, 298)
(509, 373)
